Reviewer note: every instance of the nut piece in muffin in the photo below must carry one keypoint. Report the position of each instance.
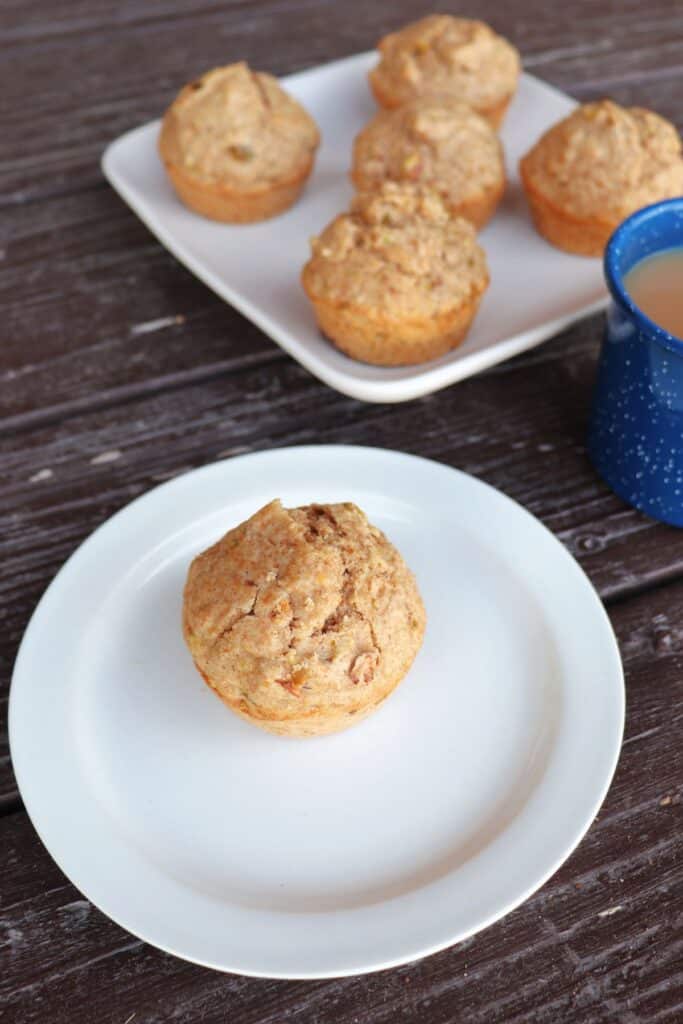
(398, 279)
(436, 141)
(441, 54)
(596, 167)
(236, 147)
(303, 620)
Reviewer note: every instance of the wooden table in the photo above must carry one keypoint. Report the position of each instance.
(120, 370)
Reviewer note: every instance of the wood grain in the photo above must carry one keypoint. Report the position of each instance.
(119, 370)
(600, 942)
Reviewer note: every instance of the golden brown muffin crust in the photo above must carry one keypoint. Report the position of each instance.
(237, 127)
(436, 141)
(400, 252)
(440, 53)
(303, 619)
(605, 161)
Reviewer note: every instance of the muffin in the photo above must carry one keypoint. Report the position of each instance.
(235, 146)
(436, 141)
(397, 280)
(303, 620)
(594, 168)
(442, 54)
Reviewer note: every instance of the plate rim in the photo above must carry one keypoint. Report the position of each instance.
(578, 832)
(427, 378)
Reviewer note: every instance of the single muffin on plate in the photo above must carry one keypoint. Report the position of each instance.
(235, 146)
(458, 56)
(436, 141)
(398, 279)
(303, 620)
(590, 171)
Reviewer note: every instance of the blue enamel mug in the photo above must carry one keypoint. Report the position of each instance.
(635, 436)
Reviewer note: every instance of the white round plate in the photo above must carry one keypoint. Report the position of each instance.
(312, 858)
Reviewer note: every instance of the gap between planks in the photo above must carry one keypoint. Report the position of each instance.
(11, 805)
(112, 397)
(25, 421)
(13, 199)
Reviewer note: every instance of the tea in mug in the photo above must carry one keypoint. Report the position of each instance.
(656, 286)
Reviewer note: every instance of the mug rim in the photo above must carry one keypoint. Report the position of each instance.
(614, 277)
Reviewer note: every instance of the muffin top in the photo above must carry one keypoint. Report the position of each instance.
(606, 161)
(444, 54)
(398, 252)
(237, 126)
(303, 611)
(434, 140)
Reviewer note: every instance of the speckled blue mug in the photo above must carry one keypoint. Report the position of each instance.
(635, 438)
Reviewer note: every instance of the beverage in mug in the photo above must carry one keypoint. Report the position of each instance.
(656, 286)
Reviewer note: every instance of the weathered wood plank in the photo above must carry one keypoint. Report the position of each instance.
(94, 308)
(600, 942)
